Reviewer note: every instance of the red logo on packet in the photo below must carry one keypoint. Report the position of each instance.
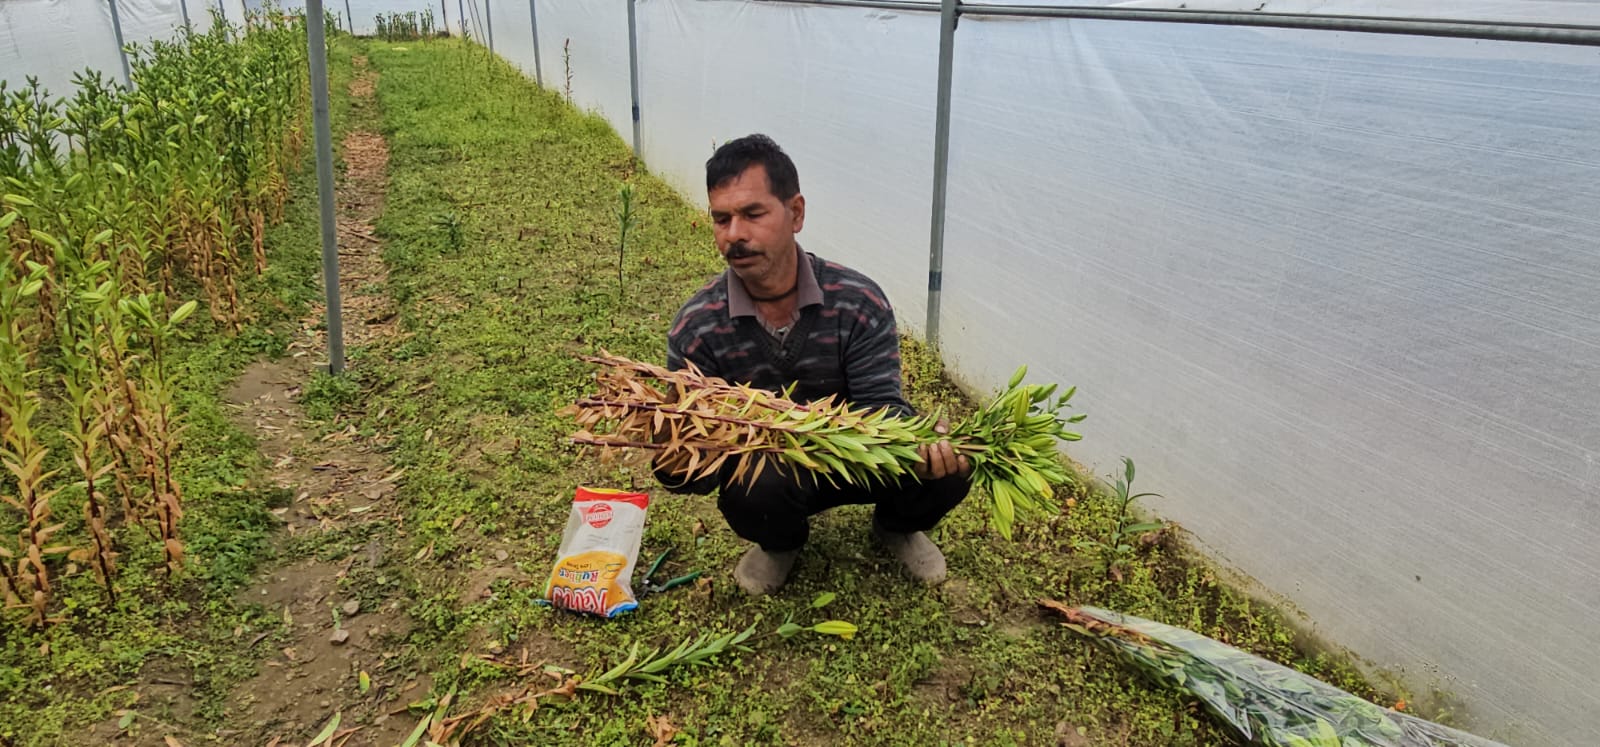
(597, 515)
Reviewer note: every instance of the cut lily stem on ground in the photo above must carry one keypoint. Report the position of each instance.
(1263, 703)
(698, 424)
(652, 667)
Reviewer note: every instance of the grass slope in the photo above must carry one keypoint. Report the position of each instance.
(500, 230)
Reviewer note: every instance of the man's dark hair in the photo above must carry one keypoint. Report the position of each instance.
(735, 156)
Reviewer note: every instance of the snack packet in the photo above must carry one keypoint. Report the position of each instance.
(599, 547)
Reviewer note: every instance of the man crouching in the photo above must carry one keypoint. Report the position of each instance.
(779, 316)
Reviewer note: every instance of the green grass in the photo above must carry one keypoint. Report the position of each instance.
(55, 684)
(500, 235)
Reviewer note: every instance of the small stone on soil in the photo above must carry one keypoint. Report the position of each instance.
(339, 637)
(351, 607)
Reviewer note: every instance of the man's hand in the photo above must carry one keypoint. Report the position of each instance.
(939, 460)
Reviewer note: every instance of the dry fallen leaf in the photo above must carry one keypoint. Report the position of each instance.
(662, 729)
(172, 741)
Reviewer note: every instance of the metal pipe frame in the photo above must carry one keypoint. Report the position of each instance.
(1512, 31)
(949, 10)
(1544, 33)
(477, 21)
(533, 20)
(317, 44)
(633, 75)
(122, 46)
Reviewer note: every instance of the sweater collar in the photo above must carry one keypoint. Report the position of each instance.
(809, 292)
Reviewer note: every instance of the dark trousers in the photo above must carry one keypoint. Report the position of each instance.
(773, 510)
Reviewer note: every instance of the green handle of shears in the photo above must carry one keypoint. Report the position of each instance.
(662, 558)
(679, 581)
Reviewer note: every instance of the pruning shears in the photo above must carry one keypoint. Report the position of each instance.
(648, 585)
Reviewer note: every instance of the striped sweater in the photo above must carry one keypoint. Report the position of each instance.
(847, 345)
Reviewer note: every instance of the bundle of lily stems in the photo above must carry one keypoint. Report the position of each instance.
(697, 425)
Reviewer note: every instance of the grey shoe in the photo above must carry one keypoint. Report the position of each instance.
(917, 553)
(760, 572)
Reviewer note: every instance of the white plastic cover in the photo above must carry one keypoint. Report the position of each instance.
(848, 93)
(1515, 11)
(54, 39)
(513, 34)
(595, 36)
(1335, 294)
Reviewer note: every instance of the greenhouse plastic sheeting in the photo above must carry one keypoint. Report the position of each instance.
(848, 93)
(1336, 294)
(513, 35)
(1512, 11)
(598, 32)
(54, 39)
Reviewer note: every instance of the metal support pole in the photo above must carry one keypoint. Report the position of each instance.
(1544, 33)
(349, 19)
(183, 5)
(461, 10)
(941, 165)
(122, 46)
(488, 18)
(533, 19)
(318, 49)
(1551, 33)
(633, 74)
(222, 11)
(444, 10)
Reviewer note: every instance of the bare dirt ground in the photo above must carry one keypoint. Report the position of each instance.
(335, 625)
(337, 628)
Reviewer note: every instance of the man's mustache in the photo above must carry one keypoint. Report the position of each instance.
(739, 250)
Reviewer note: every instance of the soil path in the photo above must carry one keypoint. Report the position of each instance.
(340, 618)
(341, 615)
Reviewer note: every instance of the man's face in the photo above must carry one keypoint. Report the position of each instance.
(754, 229)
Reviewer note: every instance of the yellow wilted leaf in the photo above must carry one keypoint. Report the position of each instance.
(839, 628)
